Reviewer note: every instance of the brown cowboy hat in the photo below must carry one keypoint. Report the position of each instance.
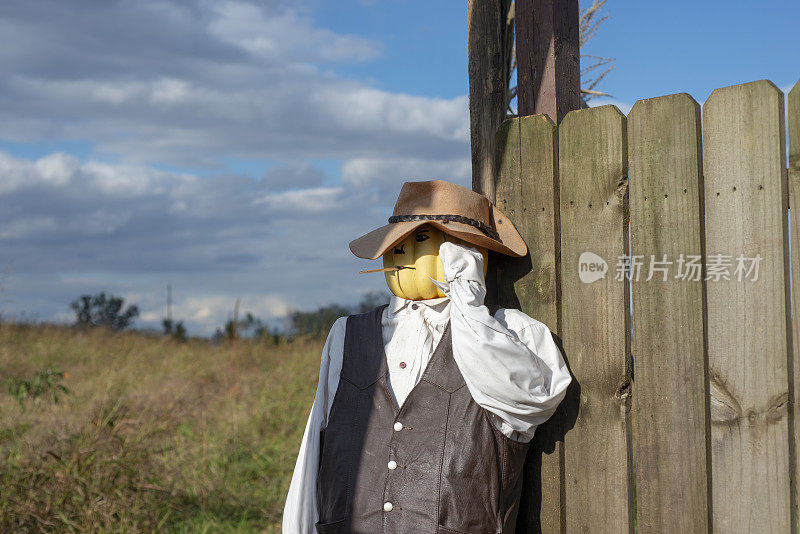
(453, 209)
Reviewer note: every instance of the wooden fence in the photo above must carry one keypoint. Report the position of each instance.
(681, 417)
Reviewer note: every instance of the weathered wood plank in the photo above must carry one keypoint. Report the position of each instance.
(527, 174)
(525, 193)
(593, 198)
(745, 214)
(669, 395)
(793, 132)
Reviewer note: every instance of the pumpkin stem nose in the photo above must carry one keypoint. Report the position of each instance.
(385, 270)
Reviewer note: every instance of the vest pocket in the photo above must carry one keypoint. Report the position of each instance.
(330, 528)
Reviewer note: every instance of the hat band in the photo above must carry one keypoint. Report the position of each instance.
(483, 227)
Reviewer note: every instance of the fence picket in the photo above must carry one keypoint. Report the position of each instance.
(745, 213)
(527, 168)
(669, 396)
(592, 170)
(525, 192)
(793, 134)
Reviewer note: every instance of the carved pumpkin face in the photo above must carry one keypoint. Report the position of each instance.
(420, 250)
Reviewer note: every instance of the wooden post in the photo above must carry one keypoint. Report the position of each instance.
(489, 38)
(548, 57)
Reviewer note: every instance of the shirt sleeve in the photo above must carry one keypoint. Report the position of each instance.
(518, 376)
(300, 511)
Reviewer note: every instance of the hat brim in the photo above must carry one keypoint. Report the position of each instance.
(374, 244)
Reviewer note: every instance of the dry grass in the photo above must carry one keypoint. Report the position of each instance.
(155, 435)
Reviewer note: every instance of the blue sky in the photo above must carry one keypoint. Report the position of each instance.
(661, 47)
(233, 148)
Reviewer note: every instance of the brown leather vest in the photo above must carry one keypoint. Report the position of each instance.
(437, 459)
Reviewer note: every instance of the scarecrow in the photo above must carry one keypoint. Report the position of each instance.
(426, 406)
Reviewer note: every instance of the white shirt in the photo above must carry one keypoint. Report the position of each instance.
(510, 364)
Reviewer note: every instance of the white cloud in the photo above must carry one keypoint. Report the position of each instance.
(113, 93)
(56, 169)
(131, 230)
(159, 83)
(386, 175)
(302, 201)
(374, 110)
(190, 84)
(28, 227)
(276, 33)
(170, 91)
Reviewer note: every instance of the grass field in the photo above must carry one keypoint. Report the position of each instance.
(155, 435)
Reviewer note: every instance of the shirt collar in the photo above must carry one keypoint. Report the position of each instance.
(432, 310)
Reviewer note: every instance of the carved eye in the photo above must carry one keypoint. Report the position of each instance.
(422, 237)
(400, 249)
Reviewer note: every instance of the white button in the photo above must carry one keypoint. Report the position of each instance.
(398, 426)
(392, 465)
(387, 506)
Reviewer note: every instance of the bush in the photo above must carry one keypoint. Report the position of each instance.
(103, 310)
(175, 330)
(44, 383)
(320, 321)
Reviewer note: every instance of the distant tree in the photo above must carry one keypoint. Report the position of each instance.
(371, 300)
(248, 327)
(318, 322)
(270, 334)
(230, 329)
(103, 310)
(176, 330)
(180, 331)
(313, 323)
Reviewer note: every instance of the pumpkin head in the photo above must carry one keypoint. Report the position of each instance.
(420, 250)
